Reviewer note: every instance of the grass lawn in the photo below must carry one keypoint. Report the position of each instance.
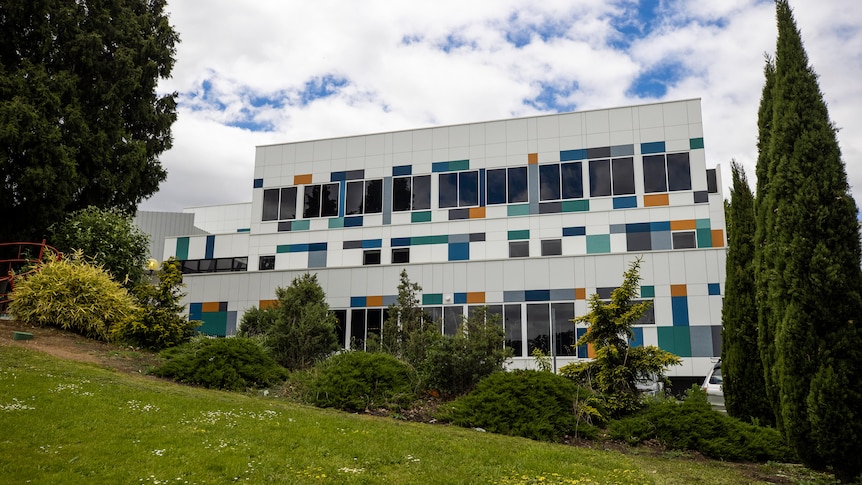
(71, 422)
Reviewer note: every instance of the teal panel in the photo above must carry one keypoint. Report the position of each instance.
(647, 291)
(704, 238)
(518, 235)
(214, 323)
(302, 225)
(334, 223)
(695, 143)
(420, 216)
(432, 299)
(703, 224)
(282, 248)
(666, 340)
(182, 248)
(598, 243)
(518, 210)
(682, 341)
(459, 165)
(576, 205)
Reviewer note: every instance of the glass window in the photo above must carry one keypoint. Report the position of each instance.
(448, 190)
(519, 249)
(341, 317)
(357, 329)
(287, 207)
(400, 255)
(552, 247)
(496, 181)
(371, 256)
(422, 192)
(373, 196)
(564, 329)
(401, 193)
(434, 315)
(654, 174)
(468, 189)
(374, 324)
(549, 182)
(512, 324)
(517, 185)
(684, 240)
(572, 176)
(678, 171)
(624, 176)
(270, 205)
(600, 178)
(311, 201)
(711, 181)
(452, 316)
(353, 201)
(648, 317)
(329, 201)
(538, 328)
(266, 263)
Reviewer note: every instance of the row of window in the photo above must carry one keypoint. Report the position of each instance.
(557, 181)
(215, 265)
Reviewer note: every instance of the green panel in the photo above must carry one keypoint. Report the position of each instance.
(432, 299)
(576, 205)
(666, 340)
(599, 243)
(647, 291)
(214, 323)
(424, 216)
(182, 248)
(517, 235)
(334, 223)
(301, 225)
(420, 240)
(459, 165)
(518, 210)
(441, 239)
(682, 341)
(703, 224)
(695, 143)
(282, 248)
(704, 238)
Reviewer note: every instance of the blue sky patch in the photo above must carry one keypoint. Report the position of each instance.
(551, 95)
(321, 87)
(653, 83)
(520, 33)
(637, 21)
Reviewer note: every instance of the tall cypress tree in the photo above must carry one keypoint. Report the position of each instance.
(812, 243)
(744, 387)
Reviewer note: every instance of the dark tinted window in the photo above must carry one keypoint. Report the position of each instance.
(552, 247)
(711, 181)
(549, 182)
(517, 184)
(600, 178)
(624, 176)
(270, 205)
(329, 201)
(373, 196)
(519, 249)
(401, 255)
(512, 323)
(496, 183)
(311, 201)
(572, 180)
(684, 240)
(468, 189)
(448, 190)
(353, 201)
(422, 192)
(287, 208)
(654, 174)
(564, 331)
(678, 171)
(538, 328)
(401, 194)
(371, 256)
(266, 263)
(357, 329)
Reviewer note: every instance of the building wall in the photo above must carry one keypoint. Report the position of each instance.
(645, 191)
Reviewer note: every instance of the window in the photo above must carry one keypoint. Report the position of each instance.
(364, 197)
(400, 255)
(552, 247)
(219, 265)
(459, 189)
(612, 177)
(519, 249)
(561, 181)
(684, 240)
(670, 172)
(279, 204)
(507, 185)
(266, 263)
(372, 256)
(320, 200)
(711, 181)
(411, 193)
(512, 325)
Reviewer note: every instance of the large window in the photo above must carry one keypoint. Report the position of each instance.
(561, 181)
(667, 173)
(459, 189)
(320, 200)
(364, 197)
(507, 185)
(216, 265)
(512, 325)
(612, 177)
(411, 193)
(279, 204)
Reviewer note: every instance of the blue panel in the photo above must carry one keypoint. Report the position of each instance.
(195, 311)
(402, 170)
(459, 298)
(398, 242)
(537, 295)
(481, 187)
(638, 339)
(321, 246)
(459, 252)
(440, 167)
(258, 183)
(210, 247)
(372, 243)
(337, 177)
(513, 296)
(660, 226)
(638, 227)
(244, 229)
(568, 155)
(298, 248)
(652, 147)
(357, 301)
(679, 305)
(582, 349)
(625, 202)
(714, 289)
(342, 197)
(575, 231)
(353, 221)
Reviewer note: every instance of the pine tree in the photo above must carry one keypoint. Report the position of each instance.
(744, 387)
(813, 251)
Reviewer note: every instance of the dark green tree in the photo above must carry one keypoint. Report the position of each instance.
(744, 387)
(408, 332)
(813, 254)
(81, 122)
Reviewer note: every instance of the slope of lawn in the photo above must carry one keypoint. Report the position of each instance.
(70, 422)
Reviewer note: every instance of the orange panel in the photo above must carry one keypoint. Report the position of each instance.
(267, 304)
(373, 301)
(210, 306)
(717, 238)
(678, 290)
(476, 297)
(302, 179)
(654, 200)
(591, 352)
(533, 158)
(580, 293)
(683, 224)
(477, 213)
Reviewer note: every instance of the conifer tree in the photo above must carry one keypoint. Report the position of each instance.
(744, 388)
(813, 251)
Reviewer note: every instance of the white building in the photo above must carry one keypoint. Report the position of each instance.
(528, 216)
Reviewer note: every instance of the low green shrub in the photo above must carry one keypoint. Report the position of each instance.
(693, 425)
(72, 294)
(355, 381)
(232, 364)
(531, 404)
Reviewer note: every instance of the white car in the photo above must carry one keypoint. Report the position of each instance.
(712, 387)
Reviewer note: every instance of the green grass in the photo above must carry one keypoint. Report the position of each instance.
(67, 422)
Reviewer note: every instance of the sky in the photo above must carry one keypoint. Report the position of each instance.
(278, 71)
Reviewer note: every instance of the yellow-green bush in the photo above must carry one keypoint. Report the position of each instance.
(72, 294)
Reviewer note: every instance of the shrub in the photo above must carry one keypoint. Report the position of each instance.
(530, 404)
(233, 364)
(355, 381)
(72, 294)
(693, 425)
(257, 322)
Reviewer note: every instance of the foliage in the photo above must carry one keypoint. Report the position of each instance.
(304, 329)
(257, 322)
(80, 121)
(744, 386)
(810, 264)
(693, 425)
(617, 368)
(408, 333)
(456, 363)
(232, 364)
(531, 404)
(159, 322)
(356, 381)
(72, 294)
(543, 361)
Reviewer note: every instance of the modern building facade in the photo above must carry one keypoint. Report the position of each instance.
(528, 216)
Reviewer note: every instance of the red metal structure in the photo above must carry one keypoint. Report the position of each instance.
(15, 256)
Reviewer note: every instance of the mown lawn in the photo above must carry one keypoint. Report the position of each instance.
(68, 422)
